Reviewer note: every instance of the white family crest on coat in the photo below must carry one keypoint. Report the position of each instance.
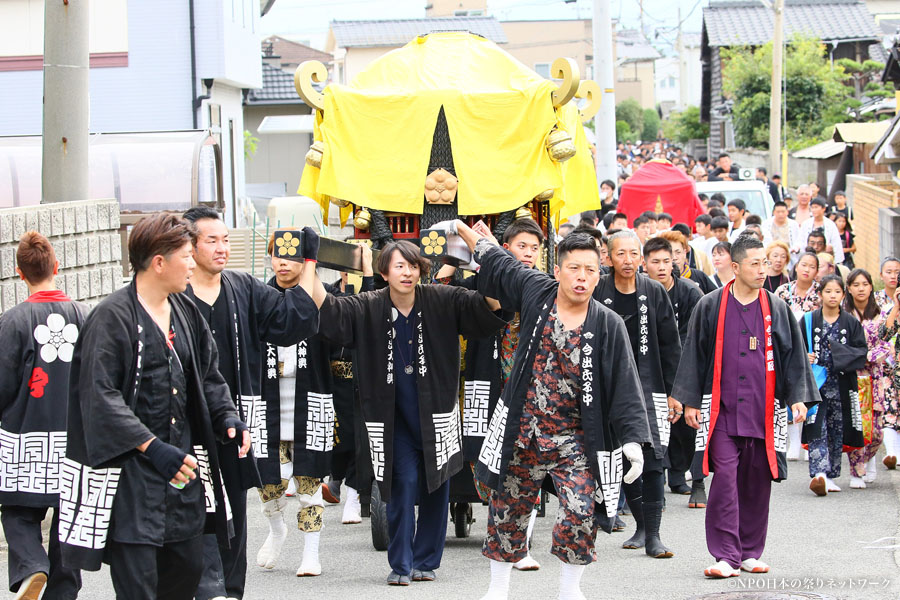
(476, 400)
(85, 504)
(446, 436)
(254, 411)
(57, 338)
(376, 447)
(29, 462)
(610, 487)
(492, 448)
(319, 422)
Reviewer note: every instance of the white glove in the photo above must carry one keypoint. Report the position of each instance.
(448, 226)
(635, 456)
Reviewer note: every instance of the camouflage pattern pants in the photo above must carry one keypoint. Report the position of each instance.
(510, 507)
(309, 493)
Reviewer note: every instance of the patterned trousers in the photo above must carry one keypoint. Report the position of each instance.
(825, 451)
(309, 492)
(860, 456)
(511, 506)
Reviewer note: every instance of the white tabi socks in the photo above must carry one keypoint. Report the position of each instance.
(528, 563)
(271, 548)
(499, 588)
(310, 566)
(351, 508)
(570, 582)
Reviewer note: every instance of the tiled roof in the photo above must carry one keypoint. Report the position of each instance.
(398, 32)
(278, 87)
(743, 22)
(293, 53)
(631, 46)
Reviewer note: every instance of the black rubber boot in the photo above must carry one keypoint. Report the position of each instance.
(652, 517)
(637, 511)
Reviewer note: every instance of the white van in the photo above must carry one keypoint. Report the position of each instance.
(753, 192)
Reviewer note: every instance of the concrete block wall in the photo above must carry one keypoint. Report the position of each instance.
(85, 236)
(868, 195)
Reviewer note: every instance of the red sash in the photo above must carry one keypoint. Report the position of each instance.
(770, 379)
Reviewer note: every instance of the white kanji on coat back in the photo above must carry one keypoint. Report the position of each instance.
(492, 448)
(610, 466)
(376, 447)
(254, 411)
(319, 422)
(446, 436)
(85, 504)
(475, 408)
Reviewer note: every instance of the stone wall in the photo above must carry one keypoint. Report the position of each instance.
(85, 236)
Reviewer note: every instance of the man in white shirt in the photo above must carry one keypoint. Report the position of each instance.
(737, 209)
(818, 220)
(779, 228)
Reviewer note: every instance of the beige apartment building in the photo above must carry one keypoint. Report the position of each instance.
(355, 44)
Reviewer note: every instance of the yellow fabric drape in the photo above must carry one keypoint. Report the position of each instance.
(580, 191)
(378, 131)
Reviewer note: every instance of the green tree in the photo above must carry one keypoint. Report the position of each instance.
(650, 126)
(685, 125)
(251, 143)
(815, 92)
(630, 112)
(623, 132)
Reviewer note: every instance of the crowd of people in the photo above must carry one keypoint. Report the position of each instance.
(656, 353)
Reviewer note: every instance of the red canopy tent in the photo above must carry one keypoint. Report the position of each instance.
(660, 187)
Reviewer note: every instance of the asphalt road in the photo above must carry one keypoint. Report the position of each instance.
(825, 545)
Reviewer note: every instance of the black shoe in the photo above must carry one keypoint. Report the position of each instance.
(698, 495)
(618, 524)
(652, 518)
(418, 575)
(397, 579)
(331, 492)
(681, 488)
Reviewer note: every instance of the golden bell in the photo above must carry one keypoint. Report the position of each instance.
(523, 212)
(544, 196)
(314, 156)
(363, 219)
(338, 202)
(560, 145)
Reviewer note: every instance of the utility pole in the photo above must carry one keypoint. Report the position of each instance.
(64, 171)
(775, 106)
(682, 67)
(605, 120)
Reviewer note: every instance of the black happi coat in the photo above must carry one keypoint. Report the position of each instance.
(260, 314)
(483, 381)
(659, 349)
(793, 378)
(104, 432)
(314, 412)
(684, 296)
(612, 406)
(853, 338)
(443, 313)
(37, 338)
